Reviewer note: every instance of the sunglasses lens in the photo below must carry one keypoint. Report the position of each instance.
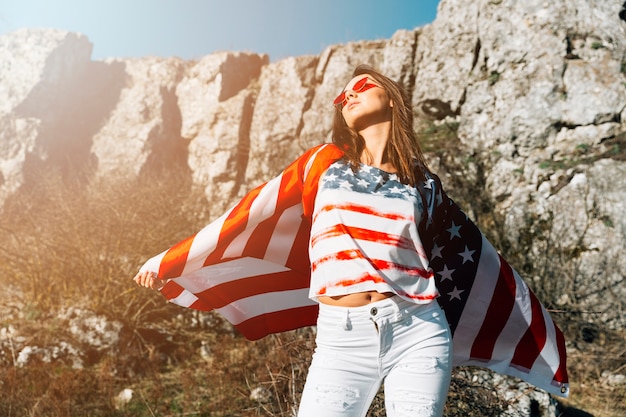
(340, 98)
(359, 85)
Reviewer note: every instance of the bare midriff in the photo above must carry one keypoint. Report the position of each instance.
(356, 299)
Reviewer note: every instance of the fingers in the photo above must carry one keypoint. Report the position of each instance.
(148, 279)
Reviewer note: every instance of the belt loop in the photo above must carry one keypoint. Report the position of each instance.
(347, 324)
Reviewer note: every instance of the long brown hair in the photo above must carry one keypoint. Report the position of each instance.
(402, 150)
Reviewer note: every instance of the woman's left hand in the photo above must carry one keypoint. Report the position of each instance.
(149, 279)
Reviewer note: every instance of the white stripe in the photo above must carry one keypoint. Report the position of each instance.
(284, 235)
(153, 263)
(504, 348)
(210, 276)
(204, 243)
(184, 299)
(262, 207)
(476, 307)
(256, 305)
(549, 353)
(310, 162)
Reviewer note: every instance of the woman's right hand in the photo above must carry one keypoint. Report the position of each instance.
(149, 279)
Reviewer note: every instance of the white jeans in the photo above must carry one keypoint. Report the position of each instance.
(407, 345)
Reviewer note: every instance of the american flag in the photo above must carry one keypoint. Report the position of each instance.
(252, 266)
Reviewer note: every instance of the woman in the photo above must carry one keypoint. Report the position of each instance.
(378, 318)
(372, 214)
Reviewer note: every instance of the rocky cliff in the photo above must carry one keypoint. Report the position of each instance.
(535, 91)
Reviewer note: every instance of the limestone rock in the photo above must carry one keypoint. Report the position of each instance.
(38, 71)
(145, 123)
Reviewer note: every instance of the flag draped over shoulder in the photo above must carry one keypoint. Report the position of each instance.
(252, 266)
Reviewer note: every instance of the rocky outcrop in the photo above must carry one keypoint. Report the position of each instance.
(537, 90)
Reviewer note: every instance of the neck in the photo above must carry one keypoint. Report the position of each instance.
(376, 137)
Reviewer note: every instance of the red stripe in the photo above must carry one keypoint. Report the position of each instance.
(364, 234)
(530, 345)
(171, 290)
(357, 208)
(560, 377)
(279, 321)
(325, 156)
(174, 260)
(498, 312)
(298, 259)
(378, 264)
(375, 279)
(228, 292)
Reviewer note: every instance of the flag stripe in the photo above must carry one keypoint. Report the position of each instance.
(246, 308)
(284, 236)
(497, 315)
(223, 294)
(534, 339)
(560, 376)
(365, 234)
(234, 224)
(357, 208)
(260, 326)
(174, 261)
(474, 312)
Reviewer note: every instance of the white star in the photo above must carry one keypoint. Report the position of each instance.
(361, 182)
(436, 252)
(467, 255)
(446, 273)
(330, 178)
(454, 231)
(456, 293)
(345, 185)
(348, 171)
(396, 190)
(378, 179)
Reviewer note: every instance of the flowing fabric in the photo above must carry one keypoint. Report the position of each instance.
(252, 266)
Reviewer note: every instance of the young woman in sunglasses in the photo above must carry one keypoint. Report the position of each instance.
(378, 317)
(375, 223)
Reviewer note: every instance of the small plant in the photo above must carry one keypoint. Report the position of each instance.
(494, 77)
(438, 138)
(582, 148)
(596, 45)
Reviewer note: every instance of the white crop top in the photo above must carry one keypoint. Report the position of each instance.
(364, 236)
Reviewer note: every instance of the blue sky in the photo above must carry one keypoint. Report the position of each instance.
(190, 29)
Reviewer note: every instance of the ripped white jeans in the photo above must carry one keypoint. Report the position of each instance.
(406, 345)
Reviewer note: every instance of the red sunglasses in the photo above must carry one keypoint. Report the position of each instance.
(358, 87)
